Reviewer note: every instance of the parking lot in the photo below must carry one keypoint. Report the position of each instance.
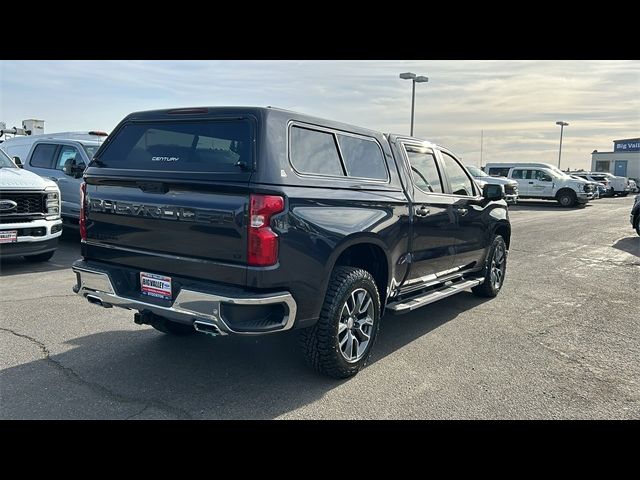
(562, 340)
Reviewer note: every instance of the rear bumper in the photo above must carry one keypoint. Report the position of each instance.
(196, 308)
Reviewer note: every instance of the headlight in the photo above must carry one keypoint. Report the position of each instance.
(53, 201)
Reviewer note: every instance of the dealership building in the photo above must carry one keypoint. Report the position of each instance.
(624, 161)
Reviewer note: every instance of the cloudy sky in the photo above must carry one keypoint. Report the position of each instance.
(516, 103)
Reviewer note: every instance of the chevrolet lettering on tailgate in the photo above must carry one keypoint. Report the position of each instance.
(160, 211)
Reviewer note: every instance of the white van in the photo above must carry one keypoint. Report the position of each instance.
(19, 146)
(544, 181)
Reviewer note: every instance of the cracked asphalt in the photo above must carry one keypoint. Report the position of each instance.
(562, 340)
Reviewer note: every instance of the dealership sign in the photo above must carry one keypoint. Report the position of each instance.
(631, 145)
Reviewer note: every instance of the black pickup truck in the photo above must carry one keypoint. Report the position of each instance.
(242, 220)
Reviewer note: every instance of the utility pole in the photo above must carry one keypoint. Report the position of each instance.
(481, 142)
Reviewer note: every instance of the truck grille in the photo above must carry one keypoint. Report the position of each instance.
(27, 203)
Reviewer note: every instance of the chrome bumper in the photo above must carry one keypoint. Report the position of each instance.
(188, 307)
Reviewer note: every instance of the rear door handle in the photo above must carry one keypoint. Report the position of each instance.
(530, 183)
(463, 211)
(422, 211)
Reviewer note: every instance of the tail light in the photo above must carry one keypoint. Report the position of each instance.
(83, 211)
(262, 246)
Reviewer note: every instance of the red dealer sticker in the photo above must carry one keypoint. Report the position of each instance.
(154, 285)
(8, 236)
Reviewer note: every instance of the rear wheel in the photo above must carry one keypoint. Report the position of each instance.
(495, 269)
(43, 257)
(638, 224)
(340, 343)
(567, 198)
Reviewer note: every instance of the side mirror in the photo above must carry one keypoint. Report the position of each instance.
(69, 167)
(72, 169)
(18, 162)
(493, 192)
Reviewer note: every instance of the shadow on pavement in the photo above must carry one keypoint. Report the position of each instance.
(544, 205)
(68, 251)
(115, 374)
(629, 244)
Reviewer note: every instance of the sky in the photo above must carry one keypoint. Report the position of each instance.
(515, 103)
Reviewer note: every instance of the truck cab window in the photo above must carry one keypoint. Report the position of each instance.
(424, 170)
(461, 184)
(43, 155)
(68, 153)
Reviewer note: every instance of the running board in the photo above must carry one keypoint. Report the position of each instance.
(405, 306)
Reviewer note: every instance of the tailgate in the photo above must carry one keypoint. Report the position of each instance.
(181, 221)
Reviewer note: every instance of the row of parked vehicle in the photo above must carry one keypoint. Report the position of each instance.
(61, 158)
(543, 181)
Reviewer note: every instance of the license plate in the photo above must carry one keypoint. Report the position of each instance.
(9, 236)
(154, 285)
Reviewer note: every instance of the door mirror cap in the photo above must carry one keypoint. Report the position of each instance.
(72, 169)
(18, 162)
(493, 192)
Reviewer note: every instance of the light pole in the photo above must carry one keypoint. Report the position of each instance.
(414, 79)
(562, 125)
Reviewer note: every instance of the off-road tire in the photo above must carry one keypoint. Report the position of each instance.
(320, 343)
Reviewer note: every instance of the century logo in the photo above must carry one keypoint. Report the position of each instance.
(6, 205)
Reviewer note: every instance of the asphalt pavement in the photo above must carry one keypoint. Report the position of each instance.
(562, 340)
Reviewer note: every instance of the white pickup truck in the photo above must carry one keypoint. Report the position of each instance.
(30, 223)
(545, 182)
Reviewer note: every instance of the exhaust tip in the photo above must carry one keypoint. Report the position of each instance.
(98, 301)
(205, 327)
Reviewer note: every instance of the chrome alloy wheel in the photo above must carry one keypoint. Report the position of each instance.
(355, 325)
(498, 264)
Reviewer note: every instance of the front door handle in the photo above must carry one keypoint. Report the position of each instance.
(530, 183)
(463, 211)
(422, 211)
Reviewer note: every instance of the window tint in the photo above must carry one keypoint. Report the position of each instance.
(316, 152)
(90, 150)
(499, 171)
(43, 155)
(68, 153)
(519, 174)
(460, 182)
(363, 158)
(214, 146)
(424, 170)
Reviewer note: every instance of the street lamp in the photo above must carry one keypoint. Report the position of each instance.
(562, 125)
(415, 79)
